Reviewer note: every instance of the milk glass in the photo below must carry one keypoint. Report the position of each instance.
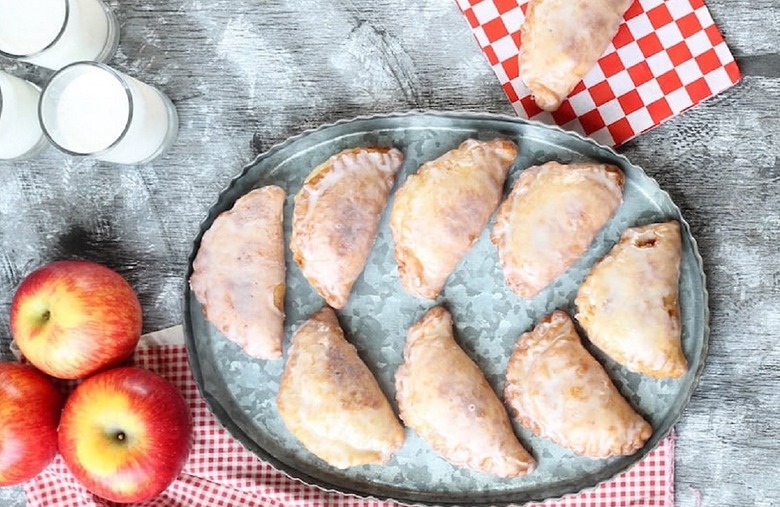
(55, 33)
(89, 109)
(20, 132)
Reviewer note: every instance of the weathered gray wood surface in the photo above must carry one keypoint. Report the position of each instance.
(245, 75)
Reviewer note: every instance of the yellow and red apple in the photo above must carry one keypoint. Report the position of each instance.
(30, 408)
(73, 318)
(125, 434)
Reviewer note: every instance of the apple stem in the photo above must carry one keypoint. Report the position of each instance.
(120, 436)
(46, 315)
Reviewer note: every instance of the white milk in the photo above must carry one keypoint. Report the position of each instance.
(86, 110)
(20, 132)
(92, 112)
(29, 30)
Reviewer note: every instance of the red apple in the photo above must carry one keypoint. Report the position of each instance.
(30, 408)
(125, 434)
(74, 318)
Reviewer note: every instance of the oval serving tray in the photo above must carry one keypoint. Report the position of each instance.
(488, 317)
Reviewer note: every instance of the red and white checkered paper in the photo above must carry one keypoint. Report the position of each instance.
(221, 473)
(667, 56)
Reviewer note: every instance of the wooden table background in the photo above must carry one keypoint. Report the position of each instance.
(245, 75)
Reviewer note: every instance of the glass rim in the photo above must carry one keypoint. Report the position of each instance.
(105, 68)
(54, 41)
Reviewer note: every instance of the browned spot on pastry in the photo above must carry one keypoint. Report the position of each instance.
(645, 242)
(354, 377)
(672, 307)
(279, 296)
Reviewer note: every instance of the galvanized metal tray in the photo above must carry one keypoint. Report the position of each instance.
(488, 316)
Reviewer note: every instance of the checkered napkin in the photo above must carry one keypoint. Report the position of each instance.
(221, 473)
(667, 56)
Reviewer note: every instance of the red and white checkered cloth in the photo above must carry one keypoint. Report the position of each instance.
(221, 473)
(667, 56)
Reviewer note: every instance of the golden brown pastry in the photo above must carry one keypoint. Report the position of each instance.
(555, 388)
(550, 218)
(330, 401)
(336, 217)
(561, 40)
(238, 273)
(444, 396)
(628, 304)
(440, 212)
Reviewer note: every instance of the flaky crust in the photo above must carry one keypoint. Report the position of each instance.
(561, 40)
(440, 212)
(336, 217)
(555, 388)
(444, 396)
(330, 401)
(629, 304)
(239, 273)
(550, 219)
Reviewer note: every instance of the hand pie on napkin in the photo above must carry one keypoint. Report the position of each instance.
(550, 218)
(336, 217)
(561, 40)
(330, 401)
(440, 212)
(559, 391)
(238, 273)
(444, 396)
(628, 304)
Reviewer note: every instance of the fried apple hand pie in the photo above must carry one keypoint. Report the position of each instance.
(336, 217)
(440, 211)
(549, 219)
(238, 274)
(561, 40)
(555, 388)
(629, 305)
(444, 397)
(331, 402)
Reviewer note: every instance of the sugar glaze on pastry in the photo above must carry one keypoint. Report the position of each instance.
(336, 217)
(239, 273)
(444, 397)
(331, 402)
(629, 304)
(440, 211)
(555, 388)
(550, 218)
(561, 40)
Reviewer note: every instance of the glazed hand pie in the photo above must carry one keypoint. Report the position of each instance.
(550, 218)
(440, 212)
(238, 273)
(561, 40)
(555, 388)
(628, 304)
(336, 217)
(330, 401)
(444, 396)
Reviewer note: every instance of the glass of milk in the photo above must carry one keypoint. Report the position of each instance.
(20, 132)
(54, 33)
(89, 109)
